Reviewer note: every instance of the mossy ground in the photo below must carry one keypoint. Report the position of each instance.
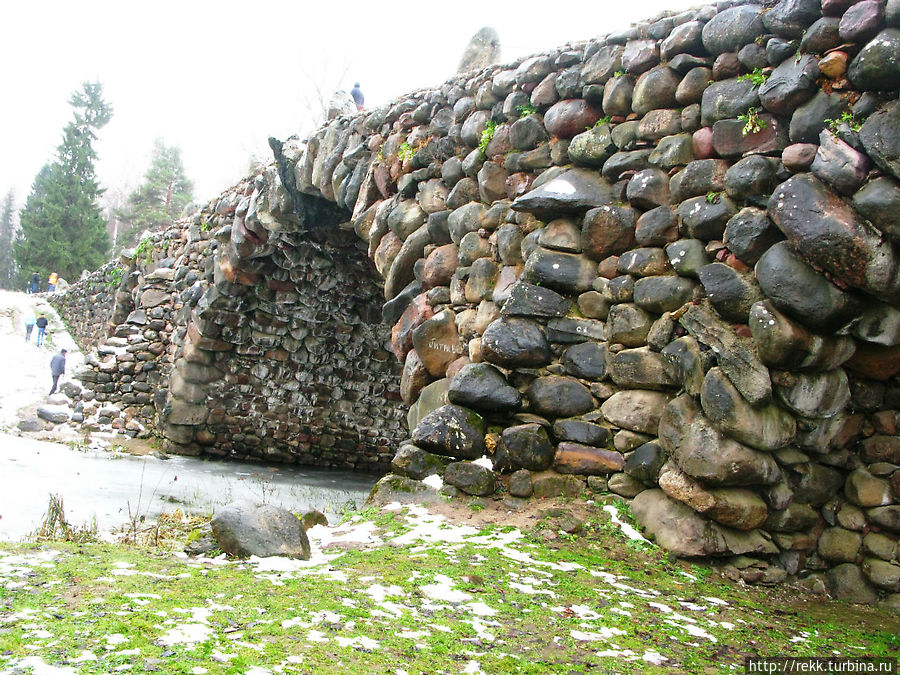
(401, 590)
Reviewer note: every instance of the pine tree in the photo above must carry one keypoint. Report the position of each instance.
(159, 200)
(62, 227)
(7, 236)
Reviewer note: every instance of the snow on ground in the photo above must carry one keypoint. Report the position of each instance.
(26, 367)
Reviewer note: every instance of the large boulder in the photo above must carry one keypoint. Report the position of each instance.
(244, 529)
(766, 427)
(574, 190)
(877, 66)
(827, 232)
(731, 29)
(880, 134)
(483, 387)
(513, 343)
(451, 431)
(708, 455)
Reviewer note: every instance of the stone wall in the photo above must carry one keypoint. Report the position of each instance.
(663, 263)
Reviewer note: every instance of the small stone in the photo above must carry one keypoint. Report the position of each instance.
(554, 396)
(528, 446)
(473, 479)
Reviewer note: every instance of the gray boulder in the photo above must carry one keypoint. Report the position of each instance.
(243, 529)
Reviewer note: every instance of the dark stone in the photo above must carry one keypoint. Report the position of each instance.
(702, 218)
(731, 29)
(839, 165)
(699, 178)
(640, 55)
(645, 462)
(731, 292)
(693, 85)
(683, 361)
(520, 484)
(473, 479)
(749, 233)
(602, 65)
(727, 99)
(753, 56)
(657, 124)
(527, 133)
(573, 190)
(778, 50)
(244, 529)
(593, 146)
(655, 89)
(574, 330)
(790, 18)
(619, 163)
(416, 463)
(656, 227)
(736, 354)
(483, 387)
(617, 95)
(513, 343)
(799, 156)
(880, 134)
(555, 396)
(570, 117)
(535, 301)
(628, 324)
(821, 36)
(580, 431)
(675, 150)
(751, 177)
(663, 293)
(586, 360)
(686, 38)
(563, 272)
(791, 83)
(643, 262)
(704, 453)
(648, 189)
(639, 368)
(801, 292)
(608, 230)
(826, 231)
(451, 431)
(861, 21)
(808, 120)
(528, 446)
(767, 427)
(877, 66)
(879, 202)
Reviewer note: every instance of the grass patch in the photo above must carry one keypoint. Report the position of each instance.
(427, 597)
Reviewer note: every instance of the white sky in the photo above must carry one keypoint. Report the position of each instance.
(218, 78)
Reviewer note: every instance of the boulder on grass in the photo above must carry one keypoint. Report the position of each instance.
(243, 529)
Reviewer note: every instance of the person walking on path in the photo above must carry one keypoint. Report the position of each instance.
(57, 368)
(35, 280)
(29, 324)
(51, 281)
(357, 95)
(41, 324)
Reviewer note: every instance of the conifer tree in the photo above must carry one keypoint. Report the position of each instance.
(7, 236)
(62, 227)
(159, 200)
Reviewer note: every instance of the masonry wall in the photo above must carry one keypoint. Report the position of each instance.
(663, 264)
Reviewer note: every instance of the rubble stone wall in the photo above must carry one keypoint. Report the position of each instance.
(664, 264)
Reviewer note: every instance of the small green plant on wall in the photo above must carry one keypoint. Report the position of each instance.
(144, 251)
(848, 118)
(487, 135)
(114, 277)
(753, 123)
(525, 110)
(406, 152)
(757, 77)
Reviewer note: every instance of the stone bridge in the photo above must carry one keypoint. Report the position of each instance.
(662, 264)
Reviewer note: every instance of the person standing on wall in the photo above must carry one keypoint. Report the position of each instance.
(29, 324)
(41, 324)
(357, 95)
(51, 281)
(35, 280)
(57, 369)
